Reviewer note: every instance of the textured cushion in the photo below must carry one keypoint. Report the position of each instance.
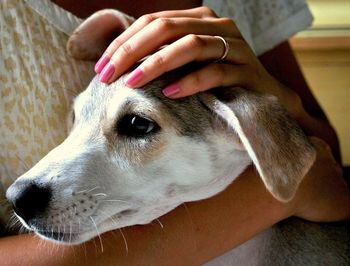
(37, 80)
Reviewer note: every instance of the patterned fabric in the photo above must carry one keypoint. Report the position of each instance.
(37, 81)
(265, 23)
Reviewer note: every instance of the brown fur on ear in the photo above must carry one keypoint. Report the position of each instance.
(92, 37)
(277, 146)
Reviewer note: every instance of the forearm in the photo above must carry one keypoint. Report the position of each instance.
(191, 235)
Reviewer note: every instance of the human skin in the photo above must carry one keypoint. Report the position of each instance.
(198, 231)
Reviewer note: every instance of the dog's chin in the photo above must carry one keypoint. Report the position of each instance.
(66, 238)
(60, 238)
(75, 238)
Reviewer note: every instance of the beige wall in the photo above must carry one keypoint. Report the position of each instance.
(324, 55)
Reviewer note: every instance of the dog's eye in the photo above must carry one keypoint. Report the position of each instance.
(136, 126)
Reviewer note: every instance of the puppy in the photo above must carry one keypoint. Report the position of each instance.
(133, 155)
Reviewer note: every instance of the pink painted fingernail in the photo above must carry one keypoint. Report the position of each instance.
(101, 63)
(171, 90)
(107, 73)
(134, 77)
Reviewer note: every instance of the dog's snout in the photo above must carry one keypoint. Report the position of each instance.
(29, 199)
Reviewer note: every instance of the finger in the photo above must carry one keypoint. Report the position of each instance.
(187, 49)
(139, 24)
(211, 76)
(197, 12)
(154, 35)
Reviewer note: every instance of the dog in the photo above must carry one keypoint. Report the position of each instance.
(132, 155)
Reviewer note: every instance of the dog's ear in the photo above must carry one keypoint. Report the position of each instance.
(92, 37)
(277, 146)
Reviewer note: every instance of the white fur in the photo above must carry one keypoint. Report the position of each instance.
(92, 184)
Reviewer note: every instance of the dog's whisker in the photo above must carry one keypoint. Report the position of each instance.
(70, 232)
(110, 218)
(87, 190)
(98, 233)
(160, 223)
(22, 230)
(94, 241)
(13, 222)
(58, 231)
(191, 222)
(111, 200)
(100, 194)
(85, 251)
(120, 230)
(64, 230)
(125, 242)
(79, 225)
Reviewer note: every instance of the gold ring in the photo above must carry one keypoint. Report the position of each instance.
(227, 48)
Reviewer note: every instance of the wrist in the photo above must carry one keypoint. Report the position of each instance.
(291, 101)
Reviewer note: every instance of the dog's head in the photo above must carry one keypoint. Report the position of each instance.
(132, 155)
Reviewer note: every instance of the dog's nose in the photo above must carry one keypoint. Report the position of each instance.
(28, 199)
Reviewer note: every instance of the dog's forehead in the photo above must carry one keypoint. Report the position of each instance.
(111, 100)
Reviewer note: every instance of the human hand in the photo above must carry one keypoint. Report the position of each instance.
(191, 35)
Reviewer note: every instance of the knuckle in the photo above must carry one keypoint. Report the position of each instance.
(116, 43)
(195, 41)
(164, 24)
(230, 25)
(158, 61)
(146, 19)
(227, 22)
(126, 49)
(207, 12)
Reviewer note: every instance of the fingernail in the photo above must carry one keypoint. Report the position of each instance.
(171, 90)
(101, 63)
(134, 77)
(107, 72)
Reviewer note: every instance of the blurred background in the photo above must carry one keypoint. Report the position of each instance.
(323, 52)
